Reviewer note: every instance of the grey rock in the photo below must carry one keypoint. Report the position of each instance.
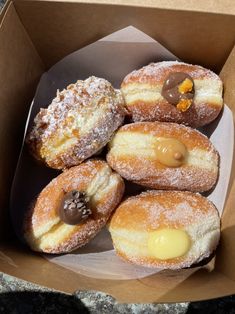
(11, 284)
(99, 302)
(19, 296)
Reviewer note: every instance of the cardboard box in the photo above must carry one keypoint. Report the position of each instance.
(36, 34)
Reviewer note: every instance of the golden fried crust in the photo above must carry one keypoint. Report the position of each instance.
(43, 229)
(142, 93)
(77, 124)
(164, 112)
(133, 155)
(140, 215)
(157, 72)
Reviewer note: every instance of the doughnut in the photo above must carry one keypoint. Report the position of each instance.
(165, 229)
(172, 91)
(77, 124)
(73, 208)
(164, 155)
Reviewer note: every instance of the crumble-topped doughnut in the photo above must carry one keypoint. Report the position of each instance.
(163, 155)
(77, 124)
(165, 229)
(172, 91)
(73, 207)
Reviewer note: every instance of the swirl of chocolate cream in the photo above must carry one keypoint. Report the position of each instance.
(74, 208)
(171, 152)
(178, 90)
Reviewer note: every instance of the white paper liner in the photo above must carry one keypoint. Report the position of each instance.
(112, 58)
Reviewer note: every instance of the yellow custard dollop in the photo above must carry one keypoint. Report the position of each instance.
(168, 243)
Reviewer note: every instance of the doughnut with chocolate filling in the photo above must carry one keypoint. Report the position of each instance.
(73, 207)
(165, 229)
(172, 91)
(78, 123)
(164, 155)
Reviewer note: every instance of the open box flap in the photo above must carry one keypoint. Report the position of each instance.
(219, 6)
(20, 69)
(200, 284)
(227, 74)
(200, 31)
(225, 261)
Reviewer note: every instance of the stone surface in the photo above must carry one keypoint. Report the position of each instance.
(18, 296)
(98, 302)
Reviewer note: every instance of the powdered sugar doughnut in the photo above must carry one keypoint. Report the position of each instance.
(77, 124)
(144, 97)
(164, 155)
(73, 207)
(165, 229)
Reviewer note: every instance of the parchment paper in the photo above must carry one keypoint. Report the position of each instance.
(111, 58)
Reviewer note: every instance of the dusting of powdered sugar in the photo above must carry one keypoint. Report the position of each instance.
(43, 220)
(87, 93)
(188, 211)
(158, 71)
(131, 164)
(165, 208)
(142, 92)
(87, 112)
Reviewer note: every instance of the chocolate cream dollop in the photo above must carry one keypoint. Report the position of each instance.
(178, 90)
(74, 208)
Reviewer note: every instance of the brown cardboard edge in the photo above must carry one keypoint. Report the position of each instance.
(28, 13)
(7, 6)
(197, 284)
(18, 85)
(226, 256)
(221, 7)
